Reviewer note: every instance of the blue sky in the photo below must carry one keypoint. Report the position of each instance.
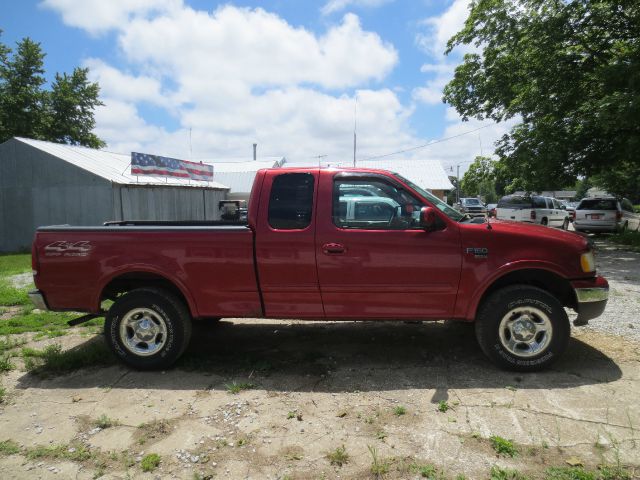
(283, 73)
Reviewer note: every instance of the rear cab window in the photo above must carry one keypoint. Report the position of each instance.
(291, 201)
(514, 202)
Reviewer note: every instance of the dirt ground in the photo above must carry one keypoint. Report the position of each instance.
(400, 398)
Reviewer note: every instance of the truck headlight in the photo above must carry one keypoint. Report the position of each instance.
(587, 262)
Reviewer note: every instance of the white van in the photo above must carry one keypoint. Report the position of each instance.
(533, 209)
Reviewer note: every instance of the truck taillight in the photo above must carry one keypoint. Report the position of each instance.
(34, 259)
(533, 214)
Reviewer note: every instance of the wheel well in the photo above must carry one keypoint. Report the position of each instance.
(130, 281)
(554, 284)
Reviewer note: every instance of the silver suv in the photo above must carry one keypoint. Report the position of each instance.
(605, 214)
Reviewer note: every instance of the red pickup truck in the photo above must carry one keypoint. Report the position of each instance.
(328, 244)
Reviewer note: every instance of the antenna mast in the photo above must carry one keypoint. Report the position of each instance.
(355, 126)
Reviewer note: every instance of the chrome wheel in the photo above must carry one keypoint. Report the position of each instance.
(525, 331)
(143, 331)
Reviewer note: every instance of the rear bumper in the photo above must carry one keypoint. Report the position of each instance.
(595, 227)
(37, 298)
(591, 299)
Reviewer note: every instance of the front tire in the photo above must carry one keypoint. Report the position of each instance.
(522, 328)
(148, 328)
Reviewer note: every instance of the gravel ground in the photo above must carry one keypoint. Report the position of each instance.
(622, 269)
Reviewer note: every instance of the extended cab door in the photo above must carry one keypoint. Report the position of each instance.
(374, 261)
(285, 245)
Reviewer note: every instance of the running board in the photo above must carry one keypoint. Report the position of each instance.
(83, 319)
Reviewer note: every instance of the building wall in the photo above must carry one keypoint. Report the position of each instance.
(39, 189)
(132, 202)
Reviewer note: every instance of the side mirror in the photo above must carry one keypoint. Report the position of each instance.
(428, 218)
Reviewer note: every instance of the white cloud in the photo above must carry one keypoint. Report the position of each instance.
(333, 6)
(440, 28)
(98, 16)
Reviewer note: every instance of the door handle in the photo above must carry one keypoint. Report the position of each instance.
(333, 249)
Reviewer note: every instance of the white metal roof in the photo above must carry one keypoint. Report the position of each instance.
(427, 174)
(114, 167)
(239, 175)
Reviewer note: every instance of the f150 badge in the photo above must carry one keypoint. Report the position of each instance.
(68, 249)
(478, 252)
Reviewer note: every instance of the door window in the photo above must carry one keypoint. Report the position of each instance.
(291, 201)
(374, 205)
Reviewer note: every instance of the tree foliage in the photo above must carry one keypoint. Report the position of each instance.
(64, 114)
(569, 72)
(480, 179)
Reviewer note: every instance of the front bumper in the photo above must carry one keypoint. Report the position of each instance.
(591, 299)
(37, 298)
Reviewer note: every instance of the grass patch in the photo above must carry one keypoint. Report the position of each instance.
(7, 343)
(338, 457)
(74, 452)
(443, 406)
(54, 360)
(152, 430)
(3, 394)
(28, 321)
(379, 467)
(498, 473)
(428, 471)
(150, 462)
(105, 422)
(399, 410)
(502, 446)
(235, 388)
(631, 239)
(10, 296)
(15, 263)
(5, 363)
(9, 447)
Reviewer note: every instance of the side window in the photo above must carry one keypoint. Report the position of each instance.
(374, 205)
(539, 202)
(291, 201)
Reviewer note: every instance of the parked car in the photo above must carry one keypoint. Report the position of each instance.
(533, 209)
(605, 214)
(472, 207)
(571, 209)
(309, 251)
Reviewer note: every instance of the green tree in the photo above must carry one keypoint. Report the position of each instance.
(480, 179)
(63, 114)
(569, 72)
(72, 100)
(22, 100)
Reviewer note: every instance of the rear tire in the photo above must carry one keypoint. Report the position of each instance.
(565, 224)
(522, 328)
(544, 222)
(148, 328)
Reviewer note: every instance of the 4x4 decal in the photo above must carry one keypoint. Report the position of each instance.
(68, 249)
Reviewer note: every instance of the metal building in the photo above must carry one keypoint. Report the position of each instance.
(43, 183)
(239, 176)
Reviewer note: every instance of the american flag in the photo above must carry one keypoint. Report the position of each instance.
(146, 164)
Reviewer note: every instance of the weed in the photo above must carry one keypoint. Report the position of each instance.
(338, 457)
(152, 429)
(443, 406)
(617, 472)
(150, 462)
(291, 415)
(381, 435)
(9, 343)
(54, 360)
(5, 364)
(426, 471)
(242, 442)
(76, 452)
(235, 388)
(502, 446)
(105, 422)
(3, 394)
(378, 467)
(399, 410)
(498, 473)
(9, 447)
(568, 473)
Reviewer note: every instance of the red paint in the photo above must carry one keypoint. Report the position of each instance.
(321, 271)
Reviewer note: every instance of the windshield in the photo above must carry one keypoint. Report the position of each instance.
(439, 204)
(471, 201)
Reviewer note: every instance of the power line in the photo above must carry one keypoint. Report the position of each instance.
(429, 144)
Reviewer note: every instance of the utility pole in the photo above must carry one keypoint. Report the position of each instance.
(458, 183)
